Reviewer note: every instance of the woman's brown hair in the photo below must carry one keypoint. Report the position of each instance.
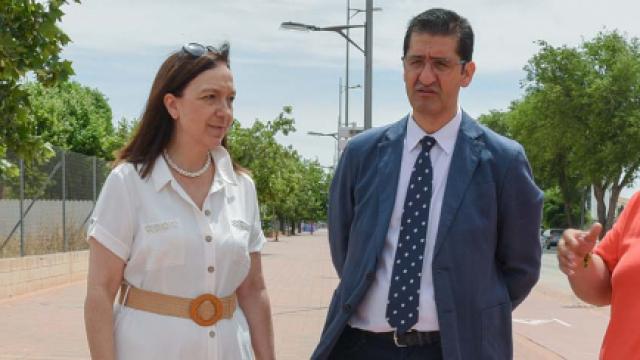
(156, 125)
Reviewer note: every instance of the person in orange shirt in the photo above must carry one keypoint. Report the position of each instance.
(608, 274)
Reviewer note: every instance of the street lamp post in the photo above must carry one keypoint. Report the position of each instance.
(368, 62)
(346, 94)
(316, 133)
(336, 138)
(367, 51)
(345, 89)
(292, 25)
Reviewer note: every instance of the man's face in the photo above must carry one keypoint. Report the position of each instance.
(433, 75)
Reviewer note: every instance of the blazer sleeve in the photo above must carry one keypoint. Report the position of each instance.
(518, 250)
(340, 212)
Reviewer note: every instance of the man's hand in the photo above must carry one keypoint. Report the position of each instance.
(574, 246)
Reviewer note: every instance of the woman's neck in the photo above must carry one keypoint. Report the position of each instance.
(190, 158)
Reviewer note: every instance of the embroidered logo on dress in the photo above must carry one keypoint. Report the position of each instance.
(161, 226)
(241, 224)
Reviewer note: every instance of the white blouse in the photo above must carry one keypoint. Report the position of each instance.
(172, 247)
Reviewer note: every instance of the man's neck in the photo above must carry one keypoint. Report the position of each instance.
(431, 124)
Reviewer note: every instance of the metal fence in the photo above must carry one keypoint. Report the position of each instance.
(46, 207)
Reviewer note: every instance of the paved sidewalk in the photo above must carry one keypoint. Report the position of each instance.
(300, 278)
(49, 324)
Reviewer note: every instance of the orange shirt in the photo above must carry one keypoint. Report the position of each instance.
(620, 250)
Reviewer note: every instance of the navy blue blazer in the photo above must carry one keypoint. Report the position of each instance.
(487, 252)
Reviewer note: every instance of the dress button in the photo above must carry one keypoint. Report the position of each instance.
(210, 269)
(208, 238)
(212, 333)
(207, 212)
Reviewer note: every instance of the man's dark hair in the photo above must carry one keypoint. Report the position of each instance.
(442, 22)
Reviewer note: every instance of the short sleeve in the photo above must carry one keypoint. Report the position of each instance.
(111, 221)
(609, 248)
(257, 239)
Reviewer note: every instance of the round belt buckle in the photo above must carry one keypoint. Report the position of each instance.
(197, 302)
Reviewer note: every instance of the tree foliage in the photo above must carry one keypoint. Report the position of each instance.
(580, 119)
(290, 189)
(30, 46)
(70, 117)
(75, 118)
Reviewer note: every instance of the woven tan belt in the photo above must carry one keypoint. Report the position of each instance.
(205, 310)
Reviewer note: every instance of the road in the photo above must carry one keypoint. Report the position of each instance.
(556, 323)
(550, 324)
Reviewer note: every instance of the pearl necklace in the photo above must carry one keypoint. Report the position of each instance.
(184, 172)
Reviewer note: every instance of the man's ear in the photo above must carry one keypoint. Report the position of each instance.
(171, 103)
(467, 73)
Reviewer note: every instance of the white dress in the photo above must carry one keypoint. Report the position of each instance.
(172, 247)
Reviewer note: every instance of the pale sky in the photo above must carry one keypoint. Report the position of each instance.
(119, 44)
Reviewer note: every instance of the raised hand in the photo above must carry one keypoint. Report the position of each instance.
(575, 246)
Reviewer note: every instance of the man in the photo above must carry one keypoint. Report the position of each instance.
(433, 220)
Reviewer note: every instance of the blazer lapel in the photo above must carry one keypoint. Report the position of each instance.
(388, 172)
(463, 164)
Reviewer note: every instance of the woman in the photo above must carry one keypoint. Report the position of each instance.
(609, 275)
(177, 230)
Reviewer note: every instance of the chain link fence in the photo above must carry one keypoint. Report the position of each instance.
(45, 207)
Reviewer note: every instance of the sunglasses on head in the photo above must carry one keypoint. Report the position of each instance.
(197, 50)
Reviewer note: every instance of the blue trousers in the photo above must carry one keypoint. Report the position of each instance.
(355, 344)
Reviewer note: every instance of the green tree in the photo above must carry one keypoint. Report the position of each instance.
(314, 192)
(588, 101)
(73, 117)
(124, 130)
(290, 189)
(546, 150)
(496, 121)
(579, 121)
(30, 46)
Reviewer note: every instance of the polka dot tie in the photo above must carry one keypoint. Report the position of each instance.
(404, 292)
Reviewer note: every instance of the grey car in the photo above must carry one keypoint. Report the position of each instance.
(552, 236)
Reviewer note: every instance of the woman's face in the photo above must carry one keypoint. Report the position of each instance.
(204, 111)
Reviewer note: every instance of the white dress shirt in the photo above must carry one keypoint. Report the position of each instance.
(172, 247)
(370, 314)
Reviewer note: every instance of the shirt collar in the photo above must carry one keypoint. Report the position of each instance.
(161, 175)
(445, 137)
(224, 168)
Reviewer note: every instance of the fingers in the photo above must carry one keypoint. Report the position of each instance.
(592, 235)
(581, 242)
(574, 245)
(566, 256)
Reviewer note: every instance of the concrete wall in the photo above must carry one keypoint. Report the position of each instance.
(30, 273)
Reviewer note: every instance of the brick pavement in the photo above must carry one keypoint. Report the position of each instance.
(301, 280)
(49, 324)
(300, 277)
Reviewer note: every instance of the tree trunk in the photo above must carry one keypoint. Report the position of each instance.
(566, 198)
(583, 195)
(598, 193)
(275, 227)
(567, 212)
(613, 202)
